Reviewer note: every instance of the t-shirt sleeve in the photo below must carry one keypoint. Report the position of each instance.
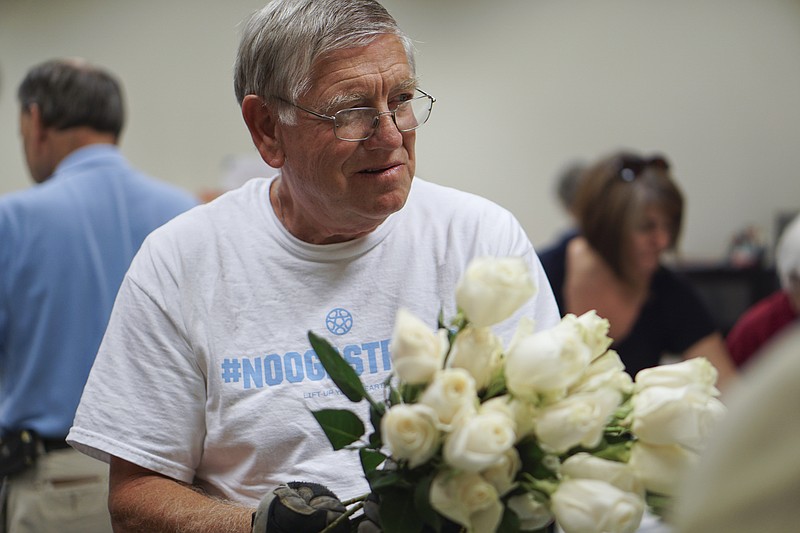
(509, 239)
(145, 396)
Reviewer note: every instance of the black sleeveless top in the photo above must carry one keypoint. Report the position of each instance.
(672, 318)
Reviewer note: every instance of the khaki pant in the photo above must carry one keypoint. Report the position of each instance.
(65, 492)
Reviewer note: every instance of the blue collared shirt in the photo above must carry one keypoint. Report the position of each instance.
(65, 246)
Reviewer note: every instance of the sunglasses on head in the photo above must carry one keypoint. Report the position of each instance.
(631, 166)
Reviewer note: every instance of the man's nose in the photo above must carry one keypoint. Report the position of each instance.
(386, 131)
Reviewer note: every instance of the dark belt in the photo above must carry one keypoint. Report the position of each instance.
(51, 445)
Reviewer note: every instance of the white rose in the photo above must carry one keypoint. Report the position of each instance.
(594, 330)
(675, 415)
(606, 371)
(594, 506)
(532, 513)
(587, 466)
(502, 474)
(492, 289)
(695, 371)
(546, 362)
(467, 499)
(661, 468)
(451, 391)
(411, 433)
(521, 413)
(479, 441)
(577, 419)
(417, 352)
(478, 351)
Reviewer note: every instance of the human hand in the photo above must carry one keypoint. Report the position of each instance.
(371, 522)
(299, 507)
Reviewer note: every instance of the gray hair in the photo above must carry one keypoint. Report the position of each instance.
(281, 43)
(787, 253)
(71, 92)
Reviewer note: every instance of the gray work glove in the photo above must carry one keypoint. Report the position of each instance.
(371, 522)
(299, 507)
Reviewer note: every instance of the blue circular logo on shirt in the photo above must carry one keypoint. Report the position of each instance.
(339, 321)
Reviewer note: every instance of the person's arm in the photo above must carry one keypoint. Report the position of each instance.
(713, 348)
(142, 500)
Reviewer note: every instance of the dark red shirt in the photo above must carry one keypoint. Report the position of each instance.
(758, 325)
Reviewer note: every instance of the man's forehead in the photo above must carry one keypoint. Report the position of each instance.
(382, 65)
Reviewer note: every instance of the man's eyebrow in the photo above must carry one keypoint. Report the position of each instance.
(408, 85)
(341, 101)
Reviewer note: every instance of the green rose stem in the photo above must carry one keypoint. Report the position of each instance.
(359, 503)
(458, 323)
(544, 486)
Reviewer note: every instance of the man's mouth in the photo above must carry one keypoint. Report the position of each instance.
(378, 170)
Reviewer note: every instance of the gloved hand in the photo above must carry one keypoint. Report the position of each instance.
(299, 507)
(371, 522)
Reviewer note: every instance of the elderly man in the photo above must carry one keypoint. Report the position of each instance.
(66, 245)
(202, 390)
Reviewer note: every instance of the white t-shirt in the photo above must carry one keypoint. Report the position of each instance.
(206, 374)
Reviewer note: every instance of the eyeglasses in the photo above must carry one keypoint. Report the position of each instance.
(631, 166)
(359, 123)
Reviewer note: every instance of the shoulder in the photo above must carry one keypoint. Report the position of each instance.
(170, 193)
(19, 208)
(467, 221)
(226, 218)
(460, 214)
(442, 199)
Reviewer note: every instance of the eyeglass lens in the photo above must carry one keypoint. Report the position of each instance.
(359, 123)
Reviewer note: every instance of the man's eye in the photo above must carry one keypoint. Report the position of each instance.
(400, 98)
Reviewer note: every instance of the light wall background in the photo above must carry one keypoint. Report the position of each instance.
(523, 87)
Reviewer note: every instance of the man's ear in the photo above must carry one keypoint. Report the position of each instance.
(38, 130)
(262, 121)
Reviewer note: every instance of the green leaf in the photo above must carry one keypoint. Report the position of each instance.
(394, 396)
(509, 523)
(615, 452)
(659, 504)
(423, 504)
(338, 369)
(496, 387)
(380, 480)
(370, 459)
(410, 393)
(375, 417)
(341, 426)
(397, 512)
(532, 455)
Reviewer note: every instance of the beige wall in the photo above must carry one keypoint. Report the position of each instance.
(523, 86)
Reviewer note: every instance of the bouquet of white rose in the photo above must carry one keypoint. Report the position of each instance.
(549, 429)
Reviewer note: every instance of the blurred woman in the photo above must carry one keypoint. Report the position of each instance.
(629, 212)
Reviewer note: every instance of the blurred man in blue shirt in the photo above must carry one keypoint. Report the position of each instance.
(65, 246)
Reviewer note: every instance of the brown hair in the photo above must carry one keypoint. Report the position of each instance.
(612, 197)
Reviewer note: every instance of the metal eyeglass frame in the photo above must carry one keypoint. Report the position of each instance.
(377, 117)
